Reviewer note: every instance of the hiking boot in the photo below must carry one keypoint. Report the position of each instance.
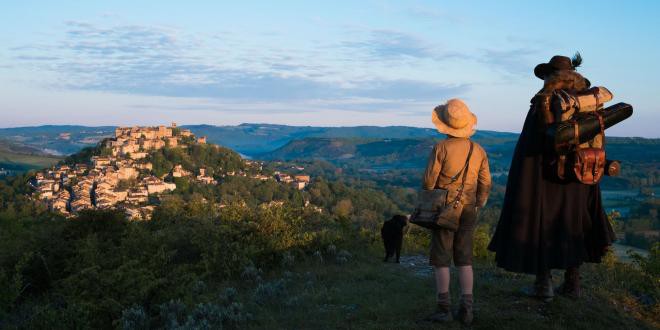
(571, 286)
(442, 313)
(465, 314)
(542, 288)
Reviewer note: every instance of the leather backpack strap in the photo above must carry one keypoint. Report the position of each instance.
(576, 133)
(602, 127)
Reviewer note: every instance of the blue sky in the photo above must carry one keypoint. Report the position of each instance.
(303, 63)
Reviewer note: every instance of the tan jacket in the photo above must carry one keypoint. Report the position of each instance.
(447, 159)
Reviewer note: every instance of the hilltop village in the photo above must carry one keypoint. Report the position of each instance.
(122, 176)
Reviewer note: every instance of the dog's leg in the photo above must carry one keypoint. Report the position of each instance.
(387, 252)
(398, 249)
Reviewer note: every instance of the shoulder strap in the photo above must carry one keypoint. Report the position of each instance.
(455, 177)
(602, 127)
(459, 195)
(467, 164)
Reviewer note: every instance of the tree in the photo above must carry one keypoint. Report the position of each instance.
(343, 208)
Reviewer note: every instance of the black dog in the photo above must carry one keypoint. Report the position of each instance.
(392, 234)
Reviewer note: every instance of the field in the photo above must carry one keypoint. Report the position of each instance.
(21, 162)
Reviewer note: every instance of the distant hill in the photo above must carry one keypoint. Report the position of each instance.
(259, 139)
(19, 157)
(57, 139)
(248, 139)
(252, 139)
(640, 157)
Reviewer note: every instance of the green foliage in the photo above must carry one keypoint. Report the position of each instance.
(482, 235)
(650, 265)
(83, 156)
(100, 263)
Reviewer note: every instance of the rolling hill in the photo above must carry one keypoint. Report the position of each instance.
(640, 157)
(18, 157)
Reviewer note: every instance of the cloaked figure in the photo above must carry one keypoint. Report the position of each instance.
(548, 222)
(392, 234)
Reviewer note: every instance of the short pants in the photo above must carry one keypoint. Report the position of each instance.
(447, 245)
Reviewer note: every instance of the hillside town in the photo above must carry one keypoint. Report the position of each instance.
(122, 176)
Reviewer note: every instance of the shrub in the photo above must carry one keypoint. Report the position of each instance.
(343, 257)
(268, 291)
(205, 316)
(650, 265)
(481, 240)
(288, 260)
(251, 273)
(172, 313)
(134, 318)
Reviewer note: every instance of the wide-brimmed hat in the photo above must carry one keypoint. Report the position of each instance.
(454, 118)
(556, 63)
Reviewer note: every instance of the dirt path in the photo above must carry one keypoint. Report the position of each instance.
(417, 264)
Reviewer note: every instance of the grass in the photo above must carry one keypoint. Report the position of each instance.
(369, 294)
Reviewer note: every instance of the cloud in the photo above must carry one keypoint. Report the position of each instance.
(35, 58)
(160, 61)
(386, 44)
(85, 38)
(517, 62)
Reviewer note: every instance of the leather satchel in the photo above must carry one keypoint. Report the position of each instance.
(434, 211)
(589, 165)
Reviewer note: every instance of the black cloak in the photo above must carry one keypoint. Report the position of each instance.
(547, 223)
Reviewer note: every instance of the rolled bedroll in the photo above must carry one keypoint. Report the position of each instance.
(562, 134)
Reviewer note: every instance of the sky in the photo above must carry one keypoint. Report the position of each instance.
(316, 63)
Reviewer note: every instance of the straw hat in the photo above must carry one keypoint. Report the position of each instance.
(454, 118)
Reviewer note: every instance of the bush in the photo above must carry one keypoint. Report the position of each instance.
(268, 291)
(481, 240)
(650, 265)
(134, 318)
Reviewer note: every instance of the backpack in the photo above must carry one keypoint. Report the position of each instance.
(587, 160)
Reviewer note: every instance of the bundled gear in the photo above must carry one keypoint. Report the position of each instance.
(567, 102)
(562, 134)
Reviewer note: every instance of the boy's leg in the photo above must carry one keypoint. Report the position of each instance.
(442, 278)
(463, 249)
(440, 259)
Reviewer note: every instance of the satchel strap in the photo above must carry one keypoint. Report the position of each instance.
(465, 172)
(453, 179)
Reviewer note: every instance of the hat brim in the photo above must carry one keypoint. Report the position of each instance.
(443, 128)
(542, 70)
